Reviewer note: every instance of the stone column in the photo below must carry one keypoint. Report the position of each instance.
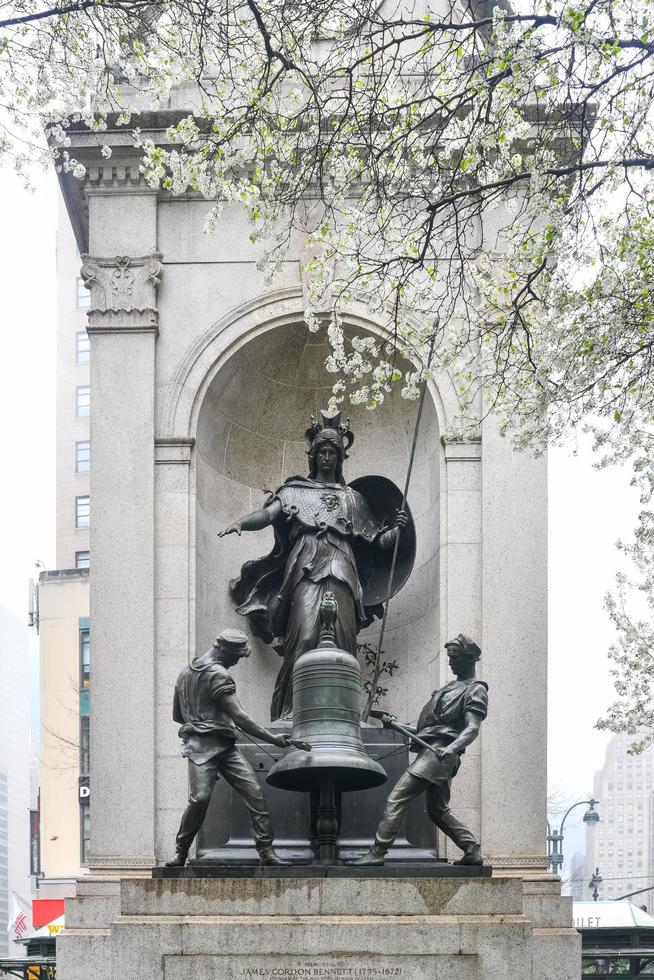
(462, 566)
(123, 327)
(174, 592)
(514, 645)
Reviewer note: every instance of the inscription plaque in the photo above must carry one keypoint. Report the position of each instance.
(322, 967)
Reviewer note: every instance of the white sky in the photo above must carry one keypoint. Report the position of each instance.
(589, 510)
(27, 383)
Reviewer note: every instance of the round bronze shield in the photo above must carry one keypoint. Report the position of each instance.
(384, 500)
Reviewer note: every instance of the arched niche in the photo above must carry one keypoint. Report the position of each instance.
(249, 439)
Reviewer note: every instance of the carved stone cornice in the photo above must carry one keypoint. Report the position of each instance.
(123, 292)
(120, 862)
(116, 175)
(519, 861)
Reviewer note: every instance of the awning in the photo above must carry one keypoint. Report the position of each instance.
(45, 910)
(611, 915)
(51, 929)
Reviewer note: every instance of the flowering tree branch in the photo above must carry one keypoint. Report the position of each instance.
(493, 173)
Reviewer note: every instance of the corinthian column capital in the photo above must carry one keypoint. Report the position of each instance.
(123, 292)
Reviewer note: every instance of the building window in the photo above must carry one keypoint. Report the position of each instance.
(83, 401)
(82, 457)
(83, 295)
(82, 559)
(83, 347)
(82, 512)
(85, 834)
(35, 842)
(85, 658)
(84, 746)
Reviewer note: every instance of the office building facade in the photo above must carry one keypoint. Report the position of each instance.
(620, 844)
(63, 600)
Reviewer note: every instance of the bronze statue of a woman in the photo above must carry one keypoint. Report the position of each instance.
(329, 537)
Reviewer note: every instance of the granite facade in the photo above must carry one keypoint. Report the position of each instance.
(204, 378)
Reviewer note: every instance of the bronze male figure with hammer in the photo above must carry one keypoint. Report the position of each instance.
(448, 723)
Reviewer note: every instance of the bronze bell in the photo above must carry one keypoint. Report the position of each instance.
(327, 716)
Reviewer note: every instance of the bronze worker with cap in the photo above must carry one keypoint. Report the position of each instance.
(448, 723)
(206, 706)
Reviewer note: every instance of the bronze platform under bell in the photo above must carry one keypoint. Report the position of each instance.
(327, 715)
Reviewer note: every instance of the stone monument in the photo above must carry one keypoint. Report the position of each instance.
(202, 377)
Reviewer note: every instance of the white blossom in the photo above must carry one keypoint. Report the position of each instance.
(498, 177)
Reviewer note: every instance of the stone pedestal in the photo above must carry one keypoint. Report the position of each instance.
(355, 926)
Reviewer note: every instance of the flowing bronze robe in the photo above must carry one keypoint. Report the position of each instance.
(325, 542)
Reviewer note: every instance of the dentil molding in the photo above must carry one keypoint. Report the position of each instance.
(520, 861)
(120, 862)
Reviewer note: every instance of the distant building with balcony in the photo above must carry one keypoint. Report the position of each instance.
(620, 845)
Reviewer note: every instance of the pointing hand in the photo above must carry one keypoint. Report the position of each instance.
(234, 528)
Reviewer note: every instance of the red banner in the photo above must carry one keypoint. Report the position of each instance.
(46, 910)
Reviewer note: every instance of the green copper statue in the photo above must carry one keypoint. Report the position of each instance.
(329, 537)
(206, 706)
(448, 723)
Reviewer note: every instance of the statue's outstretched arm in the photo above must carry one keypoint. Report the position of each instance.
(242, 720)
(255, 521)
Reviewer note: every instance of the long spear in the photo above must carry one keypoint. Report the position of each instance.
(421, 402)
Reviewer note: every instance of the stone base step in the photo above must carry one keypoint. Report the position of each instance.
(364, 896)
(204, 869)
(420, 928)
